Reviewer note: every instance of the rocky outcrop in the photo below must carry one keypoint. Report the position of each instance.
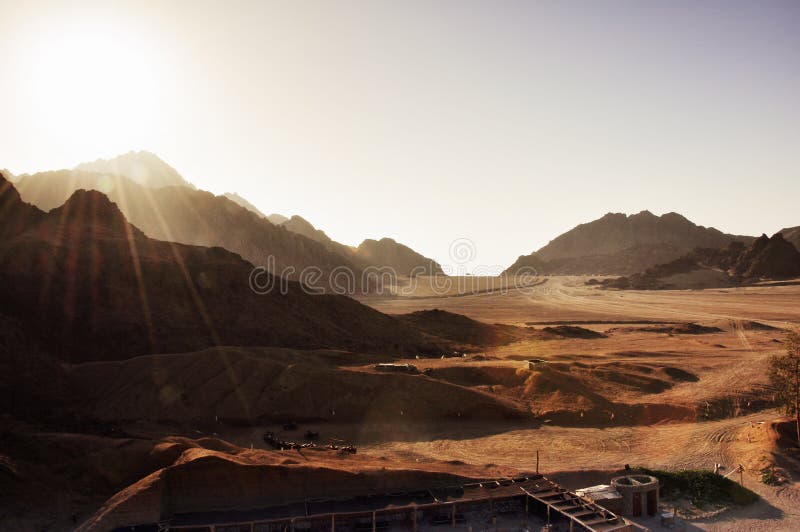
(623, 244)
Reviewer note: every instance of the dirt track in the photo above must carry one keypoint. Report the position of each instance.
(568, 298)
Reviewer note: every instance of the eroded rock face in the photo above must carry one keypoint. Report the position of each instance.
(772, 258)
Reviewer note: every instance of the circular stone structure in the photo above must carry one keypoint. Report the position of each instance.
(639, 494)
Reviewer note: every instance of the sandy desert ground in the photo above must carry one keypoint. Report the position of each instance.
(630, 384)
(731, 424)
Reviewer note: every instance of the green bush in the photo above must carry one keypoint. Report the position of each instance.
(700, 487)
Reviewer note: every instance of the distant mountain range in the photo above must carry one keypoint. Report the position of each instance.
(623, 244)
(383, 253)
(165, 206)
(88, 285)
(159, 201)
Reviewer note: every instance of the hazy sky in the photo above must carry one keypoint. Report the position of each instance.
(503, 122)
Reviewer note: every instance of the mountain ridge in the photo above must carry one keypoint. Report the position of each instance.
(143, 167)
(623, 244)
(88, 285)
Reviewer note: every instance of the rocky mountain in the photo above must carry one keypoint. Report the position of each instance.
(155, 198)
(765, 258)
(89, 285)
(389, 253)
(15, 215)
(301, 226)
(276, 218)
(238, 200)
(384, 253)
(189, 216)
(142, 167)
(769, 258)
(623, 244)
(792, 234)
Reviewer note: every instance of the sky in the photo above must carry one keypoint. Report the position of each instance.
(502, 123)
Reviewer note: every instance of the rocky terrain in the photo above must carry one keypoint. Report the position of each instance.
(183, 214)
(143, 167)
(242, 202)
(89, 285)
(766, 258)
(160, 202)
(389, 253)
(792, 234)
(620, 244)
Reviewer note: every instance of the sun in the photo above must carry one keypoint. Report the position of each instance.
(94, 86)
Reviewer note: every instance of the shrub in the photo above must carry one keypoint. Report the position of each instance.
(701, 487)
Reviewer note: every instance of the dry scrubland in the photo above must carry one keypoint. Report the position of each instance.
(632, 385)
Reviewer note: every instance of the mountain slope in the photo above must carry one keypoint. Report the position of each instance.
(765, 258)
(277, 219)
(771, 258)
(301, 226)
(89, 285)
(387, 253)
(143, 167)
(792, 234)
(15, 215)
(189, 216)
(237, 199)
(384, 253)
(619, 243)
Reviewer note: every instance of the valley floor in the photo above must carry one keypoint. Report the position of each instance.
(644, 391)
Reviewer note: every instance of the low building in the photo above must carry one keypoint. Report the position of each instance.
(604, 495)
(639, 494)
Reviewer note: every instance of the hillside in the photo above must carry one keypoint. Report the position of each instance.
(383, 253)
(301, 226)
(189, 216)
(143, 167)
(765, 258)
(15, 215)
(237, 199)
(623, 244)
(389, 253)
(89, 285)
(463, 330)
(792, 234)
(276, 218)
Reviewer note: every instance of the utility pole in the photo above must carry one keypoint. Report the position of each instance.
(537, 461)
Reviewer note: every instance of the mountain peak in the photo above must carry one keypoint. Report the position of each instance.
(622, 244)
(387, 252)
(277, 219)
(239, 200)
(15, 215)
(90, 210)
(143, 167)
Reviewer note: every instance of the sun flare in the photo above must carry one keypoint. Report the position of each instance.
(94, 84)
